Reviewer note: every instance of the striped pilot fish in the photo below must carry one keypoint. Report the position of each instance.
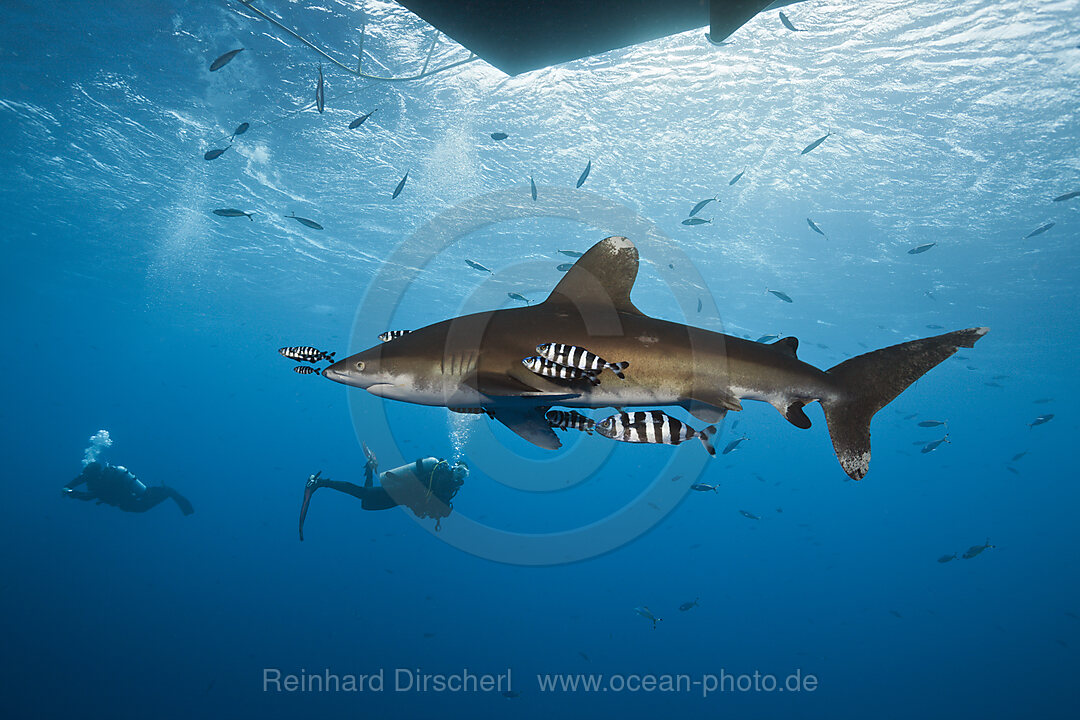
(547, 368)
(580, 358)
(393, 335)
(306, 370)
(653, 426)
(303, 353)
(570, 420)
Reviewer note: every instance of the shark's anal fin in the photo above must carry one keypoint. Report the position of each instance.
(796, 416)
(530, 424)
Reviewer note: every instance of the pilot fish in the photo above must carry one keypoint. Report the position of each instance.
(304, 353)
(393, 335)
(547, 368)
(653, 426)
(570, 420)
(306, 370)
(580, 358)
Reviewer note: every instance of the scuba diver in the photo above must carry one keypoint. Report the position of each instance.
(427, 487)
(117, 486)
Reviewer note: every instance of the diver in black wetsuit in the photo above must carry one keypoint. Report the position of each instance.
(117, 486)
(427, 487)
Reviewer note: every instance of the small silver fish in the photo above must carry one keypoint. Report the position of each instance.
(787, 23)
(400, 185)
(695, 221)
(1039, 230)
(736, 179)
(932, 446)
(233, 212)
(689, 605)
(701, 205)
(224, 59)
(532, 188)
(477, 266)
(518, 296)
(1067, 196)
(733, 445)
(320, 99)
(214, 154)
(921, 248)
(304, 221)
(498, 136)
(814, 144)
(704, 487)
(564, 267)
(749, 515)
(815, 228)
(976, 550)
(571, 253)
(584, 174)
(360, 120)
(933, 423)
(1042, 419)
(946, 558)
(240, 130)
(646, 613)
(783, 296)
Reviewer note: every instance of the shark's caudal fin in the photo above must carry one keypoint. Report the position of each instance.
(869, 382)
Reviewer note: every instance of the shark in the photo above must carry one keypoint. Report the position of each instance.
(474, 362)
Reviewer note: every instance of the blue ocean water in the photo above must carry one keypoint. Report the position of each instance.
(130, 307)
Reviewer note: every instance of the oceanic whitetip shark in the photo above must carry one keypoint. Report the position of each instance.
(475, 361)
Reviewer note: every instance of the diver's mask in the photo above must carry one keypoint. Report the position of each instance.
(460, 471)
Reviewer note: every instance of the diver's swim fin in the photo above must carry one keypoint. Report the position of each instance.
(309, 490)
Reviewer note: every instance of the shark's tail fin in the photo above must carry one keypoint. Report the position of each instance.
(869, 382)
(706, 439)
(617, 368)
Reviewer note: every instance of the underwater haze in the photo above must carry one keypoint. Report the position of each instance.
(133, 308)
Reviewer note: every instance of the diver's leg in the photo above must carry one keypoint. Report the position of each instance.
(373, 498)
(152, 497)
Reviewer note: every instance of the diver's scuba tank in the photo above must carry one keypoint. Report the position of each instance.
(134, 484)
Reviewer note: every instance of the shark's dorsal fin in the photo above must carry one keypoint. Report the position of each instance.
(603, 276)
(788, 345)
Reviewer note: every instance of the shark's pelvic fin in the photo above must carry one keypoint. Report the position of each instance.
(867, 383)
(530, 424)
(602, 277)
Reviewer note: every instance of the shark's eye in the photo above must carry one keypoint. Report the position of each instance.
(360, 365)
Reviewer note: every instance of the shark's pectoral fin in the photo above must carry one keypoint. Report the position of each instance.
(530, 424)
(517, 383)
